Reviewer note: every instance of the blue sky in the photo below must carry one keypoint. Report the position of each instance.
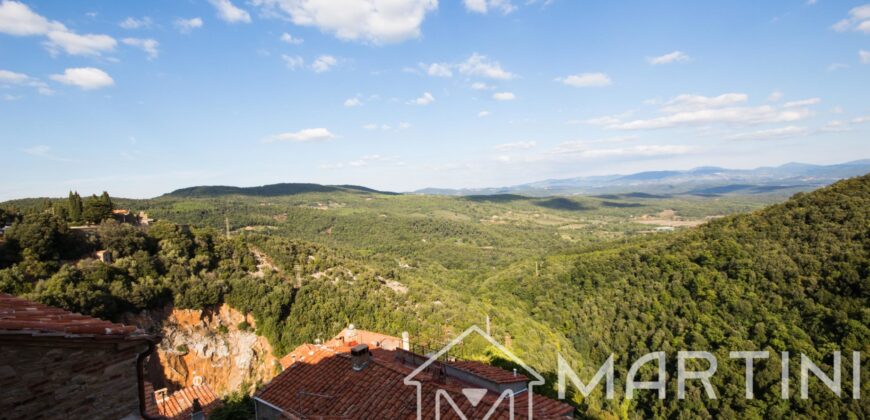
(140, 98)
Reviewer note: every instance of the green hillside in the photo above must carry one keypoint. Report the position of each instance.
(584, 276)
(793, 277)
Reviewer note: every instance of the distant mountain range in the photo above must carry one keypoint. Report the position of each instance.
(272, 190)
(701, 181)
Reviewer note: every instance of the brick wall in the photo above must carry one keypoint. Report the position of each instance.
(68, 379)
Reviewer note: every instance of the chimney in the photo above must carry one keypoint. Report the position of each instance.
(406, 341)
(196, 411)
(360, 356)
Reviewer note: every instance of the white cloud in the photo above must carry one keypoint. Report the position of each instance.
(672, 57)
(772, 133)
(575, 150)
(696, 110)
(602, 121)
(323, 63)
(352, 102)
(43, 151)
(479, 65)
(75, 44)
(735, 115)
(586, 80)
(293, 62)
(643, 150)
(774, 96)
(290, 39)
(688, 102)
(483, 114)
(147, 45)
(363, 161)
(864, 56)
(423, 100)
(503, 96)
(305, 135)
(837, 66)
(228, 12)
(186, 25)
(484, 6)
(386, 127)
(481, 86)
(8, 97)
(517, 145)
(11, 78)
(375, 21)
(802, 103)
(87, 78)
(840, 126)
(17, 19)
(858, 20)
(439, 70)
(133, 23)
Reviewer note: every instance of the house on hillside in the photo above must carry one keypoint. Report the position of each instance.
(58, 364)
(344, 378)
(104, 256)
(125, 216)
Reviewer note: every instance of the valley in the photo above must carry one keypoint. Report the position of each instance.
(234, 279)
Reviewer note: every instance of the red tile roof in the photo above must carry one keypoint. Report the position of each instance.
(324, 385)
(340, 344)
(494, 374)
(373, 339)
(178, 405)
(22, 317)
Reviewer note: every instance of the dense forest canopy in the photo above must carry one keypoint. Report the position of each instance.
(575, 275)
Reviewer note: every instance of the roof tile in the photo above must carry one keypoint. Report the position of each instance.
(23, 317)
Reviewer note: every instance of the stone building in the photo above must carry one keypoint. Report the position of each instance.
(56, 364)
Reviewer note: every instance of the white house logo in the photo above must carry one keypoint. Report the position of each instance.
(476, 395)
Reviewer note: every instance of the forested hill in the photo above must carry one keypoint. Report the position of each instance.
(272, 190)
(792, 277)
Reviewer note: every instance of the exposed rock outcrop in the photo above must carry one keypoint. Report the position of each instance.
(208, 344)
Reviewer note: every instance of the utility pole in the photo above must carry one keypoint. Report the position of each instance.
(487, 326)
(537, 272)
(227, 222)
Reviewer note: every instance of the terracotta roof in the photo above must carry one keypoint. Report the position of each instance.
(301, 353)
(324, 385)
(23, 317)
(339, 344)
(492, 373)
(178, 405)
(373, 339)
(121, 211)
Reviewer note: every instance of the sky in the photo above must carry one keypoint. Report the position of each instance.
(141, 98)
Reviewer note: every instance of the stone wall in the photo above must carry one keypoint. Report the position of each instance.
(60, 378)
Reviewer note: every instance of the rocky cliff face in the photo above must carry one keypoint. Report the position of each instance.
(210, 345)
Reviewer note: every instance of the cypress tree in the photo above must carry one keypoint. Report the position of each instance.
(75, 207)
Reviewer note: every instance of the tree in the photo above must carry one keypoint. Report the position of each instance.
(97, 209)
(74, 206)
(44, 234)
(121, 239)
(107, 201)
